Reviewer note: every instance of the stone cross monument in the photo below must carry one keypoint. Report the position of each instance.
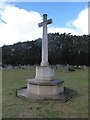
(45, 22)
(44, 85)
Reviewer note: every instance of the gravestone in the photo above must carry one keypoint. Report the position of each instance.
(44, 85)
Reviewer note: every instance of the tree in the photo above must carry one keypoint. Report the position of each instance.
(63, 49)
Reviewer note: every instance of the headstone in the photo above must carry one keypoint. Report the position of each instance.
(1, 68)
(67, 68)
(84, 67)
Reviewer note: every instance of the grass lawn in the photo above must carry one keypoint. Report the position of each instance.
(15, 107)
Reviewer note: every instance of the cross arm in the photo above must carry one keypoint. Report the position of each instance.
(40, 24)
(47, 22)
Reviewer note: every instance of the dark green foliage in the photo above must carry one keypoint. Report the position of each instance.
(63, 49)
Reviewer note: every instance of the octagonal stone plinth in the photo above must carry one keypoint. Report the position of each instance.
(45, 88)
(64, 96)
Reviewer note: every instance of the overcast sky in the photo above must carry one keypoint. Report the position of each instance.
(19, 20)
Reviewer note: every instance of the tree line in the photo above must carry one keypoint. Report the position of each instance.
(63, 49)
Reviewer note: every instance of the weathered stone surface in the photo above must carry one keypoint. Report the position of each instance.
(64, 96)
(44, 88)
(44, 73)
(44, 24)
(45, 82)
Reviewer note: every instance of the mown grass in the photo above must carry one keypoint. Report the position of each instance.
(15, 107)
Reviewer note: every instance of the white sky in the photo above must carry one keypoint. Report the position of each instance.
(20, 25)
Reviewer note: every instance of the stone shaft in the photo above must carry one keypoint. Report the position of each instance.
(45, 22)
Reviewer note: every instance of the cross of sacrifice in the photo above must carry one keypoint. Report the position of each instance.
(45, 22)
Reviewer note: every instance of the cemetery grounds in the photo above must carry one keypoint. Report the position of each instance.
(15, 107)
